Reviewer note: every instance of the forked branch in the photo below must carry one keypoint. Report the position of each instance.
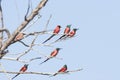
(24, 24)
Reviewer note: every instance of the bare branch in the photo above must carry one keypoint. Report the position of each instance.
(27, 10)
(2, 24)
(19, 60)
(47, 23)
(23, 43)
(25, 52)
(30, 48)
(33, 22)
(19, 34)
(24, 24)
(67, 72)
(1, 14)
(5, 71)
(40, 33)
(75, 70)
(41, 73)
(2, 53)
(7, 31)
(15, 59)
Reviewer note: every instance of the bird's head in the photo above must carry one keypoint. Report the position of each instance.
(69, 26)
(65, 66)
(26, 65)
(58, 49)
(75, 29)
(59, 26)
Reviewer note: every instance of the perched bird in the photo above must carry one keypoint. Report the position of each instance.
(63, 69)
(72, 33)
(56, 31)
(19, 37)
(66, 31)
(23, 69)
(53, 54)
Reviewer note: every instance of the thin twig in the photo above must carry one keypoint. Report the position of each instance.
(67, 72)
(48, 45)
(30, 47)
(5, 72)
(39, 73)
(15, 59)
(31, 5)
(47, 23)
(17, 11)
(2, 26)
(75, 70)
(7, 31)
(25, 52)
(23, 43)
(20, 60)
(27, 10)
(33, 22)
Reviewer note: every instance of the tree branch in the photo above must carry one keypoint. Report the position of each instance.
(24, 24)
(7, 31)
(30, 47)
(47, 23)
(41, 73)
(22, 61)
(2, 24)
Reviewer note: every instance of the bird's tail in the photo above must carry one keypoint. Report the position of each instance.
(60, 37)
(49, 38)
(15, 76)
(65, 37)
(55, 74)
(45, 60)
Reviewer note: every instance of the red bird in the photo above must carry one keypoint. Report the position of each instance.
(23, 69)
(56, 31)
(53, 54)
(66, 31)
(72, 33)
(63, 69)
(19, 37)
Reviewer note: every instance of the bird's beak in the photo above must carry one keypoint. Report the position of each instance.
(77, 29)
(60, 48)
(27, 64)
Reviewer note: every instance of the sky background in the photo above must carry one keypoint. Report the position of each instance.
(95, 48)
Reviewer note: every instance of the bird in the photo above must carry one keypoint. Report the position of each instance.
(63, 69)
(66, 31)
(72, 33)
(19, 37)
(23, 69)
(53, 54)
(56, 31)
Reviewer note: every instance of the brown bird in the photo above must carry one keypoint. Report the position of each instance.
(19, 37)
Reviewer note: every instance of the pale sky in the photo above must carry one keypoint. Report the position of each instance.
(95, 48)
